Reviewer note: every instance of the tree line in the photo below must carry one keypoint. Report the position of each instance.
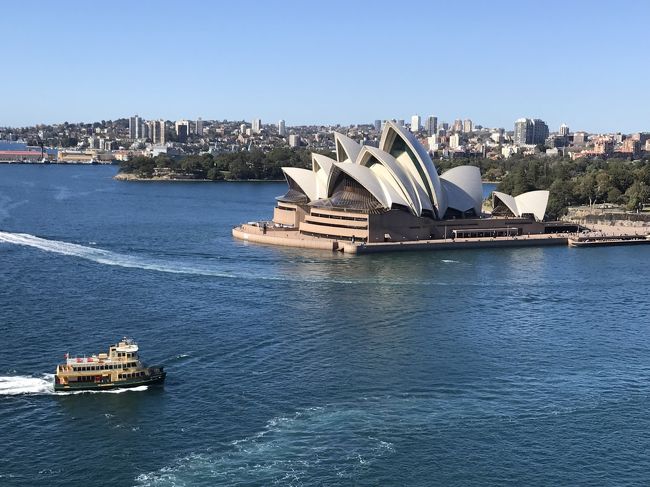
(255, 164)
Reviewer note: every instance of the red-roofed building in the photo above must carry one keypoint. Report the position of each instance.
(20, 156)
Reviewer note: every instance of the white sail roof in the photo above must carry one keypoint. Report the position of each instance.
(532, 202)
(380, 190)
(322, 167)
(417, 161)
(304, 179)
(463, 188)
(401, 173)
(386, 167)
(346, 148)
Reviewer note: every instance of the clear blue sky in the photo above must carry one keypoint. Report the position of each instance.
(580, 62)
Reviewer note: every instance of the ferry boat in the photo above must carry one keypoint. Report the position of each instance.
(120, 367)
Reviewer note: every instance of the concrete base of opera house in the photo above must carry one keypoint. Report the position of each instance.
(457, 244)
(258, 233)
(284, 237)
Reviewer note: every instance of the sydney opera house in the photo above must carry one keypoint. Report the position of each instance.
(393, 193)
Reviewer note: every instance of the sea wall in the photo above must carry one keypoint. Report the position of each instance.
(505, 242)
(616, 218)
(250, 233)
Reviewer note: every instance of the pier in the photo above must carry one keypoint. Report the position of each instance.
(608, 240)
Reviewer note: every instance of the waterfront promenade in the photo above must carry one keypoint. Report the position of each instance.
(270, 235)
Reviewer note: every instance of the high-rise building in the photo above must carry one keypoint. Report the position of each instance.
(181, 134)
(431, 125)
(580, 138)
(468, 126)
(282, 128)
(134, 127)
(158, 132)
(454, 141)
(182, 131)
(415, 123)
(199, 127)
(530, 132)
(458, 125)
(294, 140)
(400, 122)
(540, 131)
(564, 130)
(523, 131)
(377, 125)
(257, 125)
(150, 129)
(93, 142)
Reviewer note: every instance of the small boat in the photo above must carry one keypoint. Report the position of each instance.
(119, 368)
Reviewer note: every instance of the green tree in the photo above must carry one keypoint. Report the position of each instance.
(637, 194)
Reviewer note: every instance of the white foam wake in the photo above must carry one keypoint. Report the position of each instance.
(107, 257)
(320, 446)
(15, 385)
(101, 256)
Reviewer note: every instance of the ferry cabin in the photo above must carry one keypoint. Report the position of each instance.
(120, 364)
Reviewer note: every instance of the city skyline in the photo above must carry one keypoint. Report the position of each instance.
(276, 62)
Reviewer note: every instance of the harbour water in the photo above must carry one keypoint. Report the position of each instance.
(526, 366)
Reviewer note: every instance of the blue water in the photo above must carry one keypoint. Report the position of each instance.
(294, 367)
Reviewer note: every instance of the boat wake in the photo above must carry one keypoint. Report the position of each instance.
(17, 385)
(319, 446)
(108, 257)
(105, 257)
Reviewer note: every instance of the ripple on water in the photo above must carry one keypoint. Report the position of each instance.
(315, 445)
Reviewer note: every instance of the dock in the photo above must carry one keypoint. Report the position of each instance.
(608, 240)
